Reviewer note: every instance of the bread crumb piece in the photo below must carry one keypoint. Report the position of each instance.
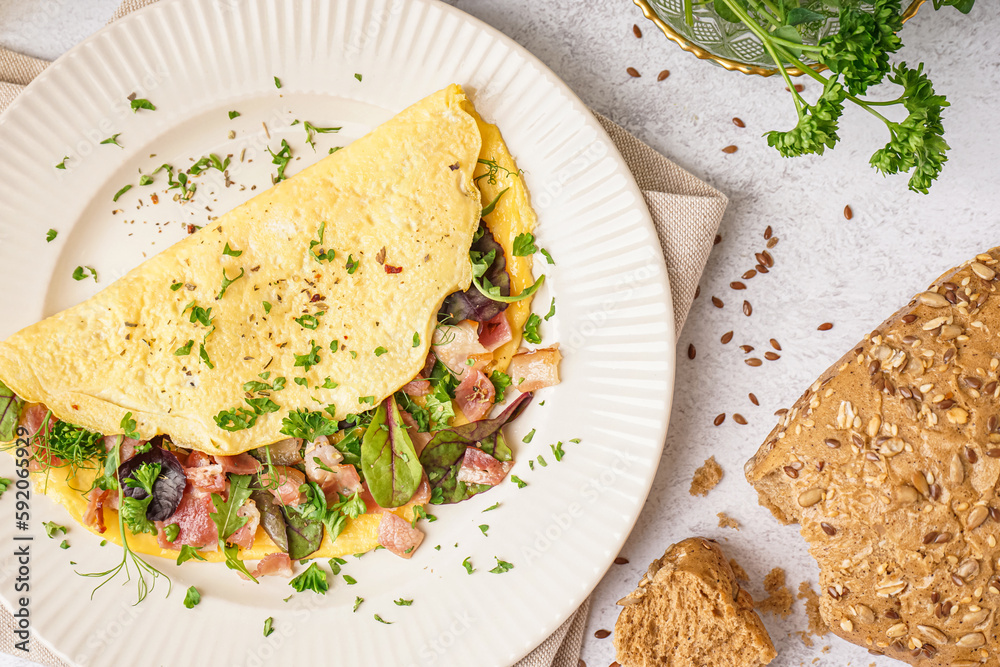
(706, 478)
(741, 574)
(779, 600)
(726, 521)
(816, 625)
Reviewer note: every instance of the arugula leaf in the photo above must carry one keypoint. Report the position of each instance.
(402, 603)
(10, 411)
(357, 603)
(388, 459)
(225, 516)
(314, 579)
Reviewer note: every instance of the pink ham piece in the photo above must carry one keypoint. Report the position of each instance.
(478, 467)
(398, 536)
(31, 419)
(94, 514)
(494, 333)
(456, 345)
(192, 518)
(244, 537)
(417, 388)
(530, 371)
(208, 478)
(289, 480)
(241, 464)
(276, 564)
(474, 395)
(127, 449)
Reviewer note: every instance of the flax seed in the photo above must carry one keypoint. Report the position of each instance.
(776, 345)
(768, 260)
(749, 274)
(691, 351)
(719, 419)
(717, 302)
(768, 232)
(726, 337)
(601, 634)
(718, 239)
(772, 242)
(753, 361)
(636, 31)
(772, 356)
(737, 285)
(848, 213)
(740, 419)
(729, 150)
(747, 349)
(621, 560)
(738, 122)
(761, 268)
(826, 326)
(753, 399)
(828, 529)
(697, 291)
(663, 75)
(747, 308)
(633, 72)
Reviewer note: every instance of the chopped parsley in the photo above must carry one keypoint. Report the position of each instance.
(484, 527)
(281, 158)
(322, 255)
(527, 438)
(349, 580)
(145, 179)
(502, 566)
(302, 382)
(121, 192)
(192, 597)
(203, 355)
(312, 130)
(81, 272)
(517, 480)
(314, 579)
(501, 382)
(176, 286)
(416, 339)
(277, 82)
(227, 281)
(467, 564)
(552, 309)
(329, 384)
(358, 77)
(307, 425)
(184, 349)
(377, 617)
(309, 359)
(308, 322)
(50, 235)
(268, 626)
(379, 351)
(530, 331)
(524, 245)
(129, 426)
(357, 603)
(62, 165)
(267, 307)
(171, 532)
(133, 510)
(402, 603)
(4, 483)
(548, 257)
(64, 544)
(542, 462)
(52, 529)
(352, 265)
(230, 252)
(211, 161)
(113, 139)
(140, 103)
(366, 399)
(557, 451)
(492, 507)
(333, 345)
(234, 114)
(335, 564)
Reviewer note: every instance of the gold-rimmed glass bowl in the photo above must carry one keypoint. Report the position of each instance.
(733, 45)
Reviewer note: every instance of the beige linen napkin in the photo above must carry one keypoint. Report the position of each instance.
(685, 210)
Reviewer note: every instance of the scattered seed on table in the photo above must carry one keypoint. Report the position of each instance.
(737, 285)
(753, 361)
(738, 122)
(766, 256)
(730, 149)
(776, 345)
(717, 302)
(636, 31)
(781, 412)
(691, 351)
(601, 634)
(633, 72)
(773, 241)
(663, 75)
(718, 239)
(726, 337)
(747, 349)
(749, 274)
(697, 291)
(761, 268)
(772, 356)
(798, 88)
(621, 560)
(826, 326)
(747, 309)
(753, 399)
(581, 663)
(768, 232)
(719, 419)
(740, 419)
(848, 213)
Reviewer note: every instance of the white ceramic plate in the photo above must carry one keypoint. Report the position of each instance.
(198, 59)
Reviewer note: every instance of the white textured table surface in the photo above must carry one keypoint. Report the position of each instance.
(827, 269)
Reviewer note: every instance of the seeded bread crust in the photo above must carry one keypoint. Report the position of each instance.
(889, 462)
(689, 611)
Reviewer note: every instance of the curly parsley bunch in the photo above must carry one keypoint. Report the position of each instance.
(858, 57)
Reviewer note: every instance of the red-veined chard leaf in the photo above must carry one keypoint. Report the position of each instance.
(305, 535)
(442, 457)
(388, 459)
(10, 410)
(489, 262)
(272, 519)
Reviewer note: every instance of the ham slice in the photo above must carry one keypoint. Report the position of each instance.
(192, 518)
(417, 388)
(31, 419)
(478, 467)
(475, 395)
(276, 564)
(94, 514)
(127, 449)
(398, 536)
(244, 537)
(494, 333)
(530, 371)
(209, 478)
(456, 345)
(289, 480)
(241, 464)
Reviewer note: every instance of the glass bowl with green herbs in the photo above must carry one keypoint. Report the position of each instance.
(846, 46)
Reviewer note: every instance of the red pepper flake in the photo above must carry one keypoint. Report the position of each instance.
(191, 229)
(389, 268)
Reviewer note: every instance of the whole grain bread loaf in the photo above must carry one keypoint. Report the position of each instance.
(890, 463)
(689, 611)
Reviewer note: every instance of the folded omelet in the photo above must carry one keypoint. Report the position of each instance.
(335, 275)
